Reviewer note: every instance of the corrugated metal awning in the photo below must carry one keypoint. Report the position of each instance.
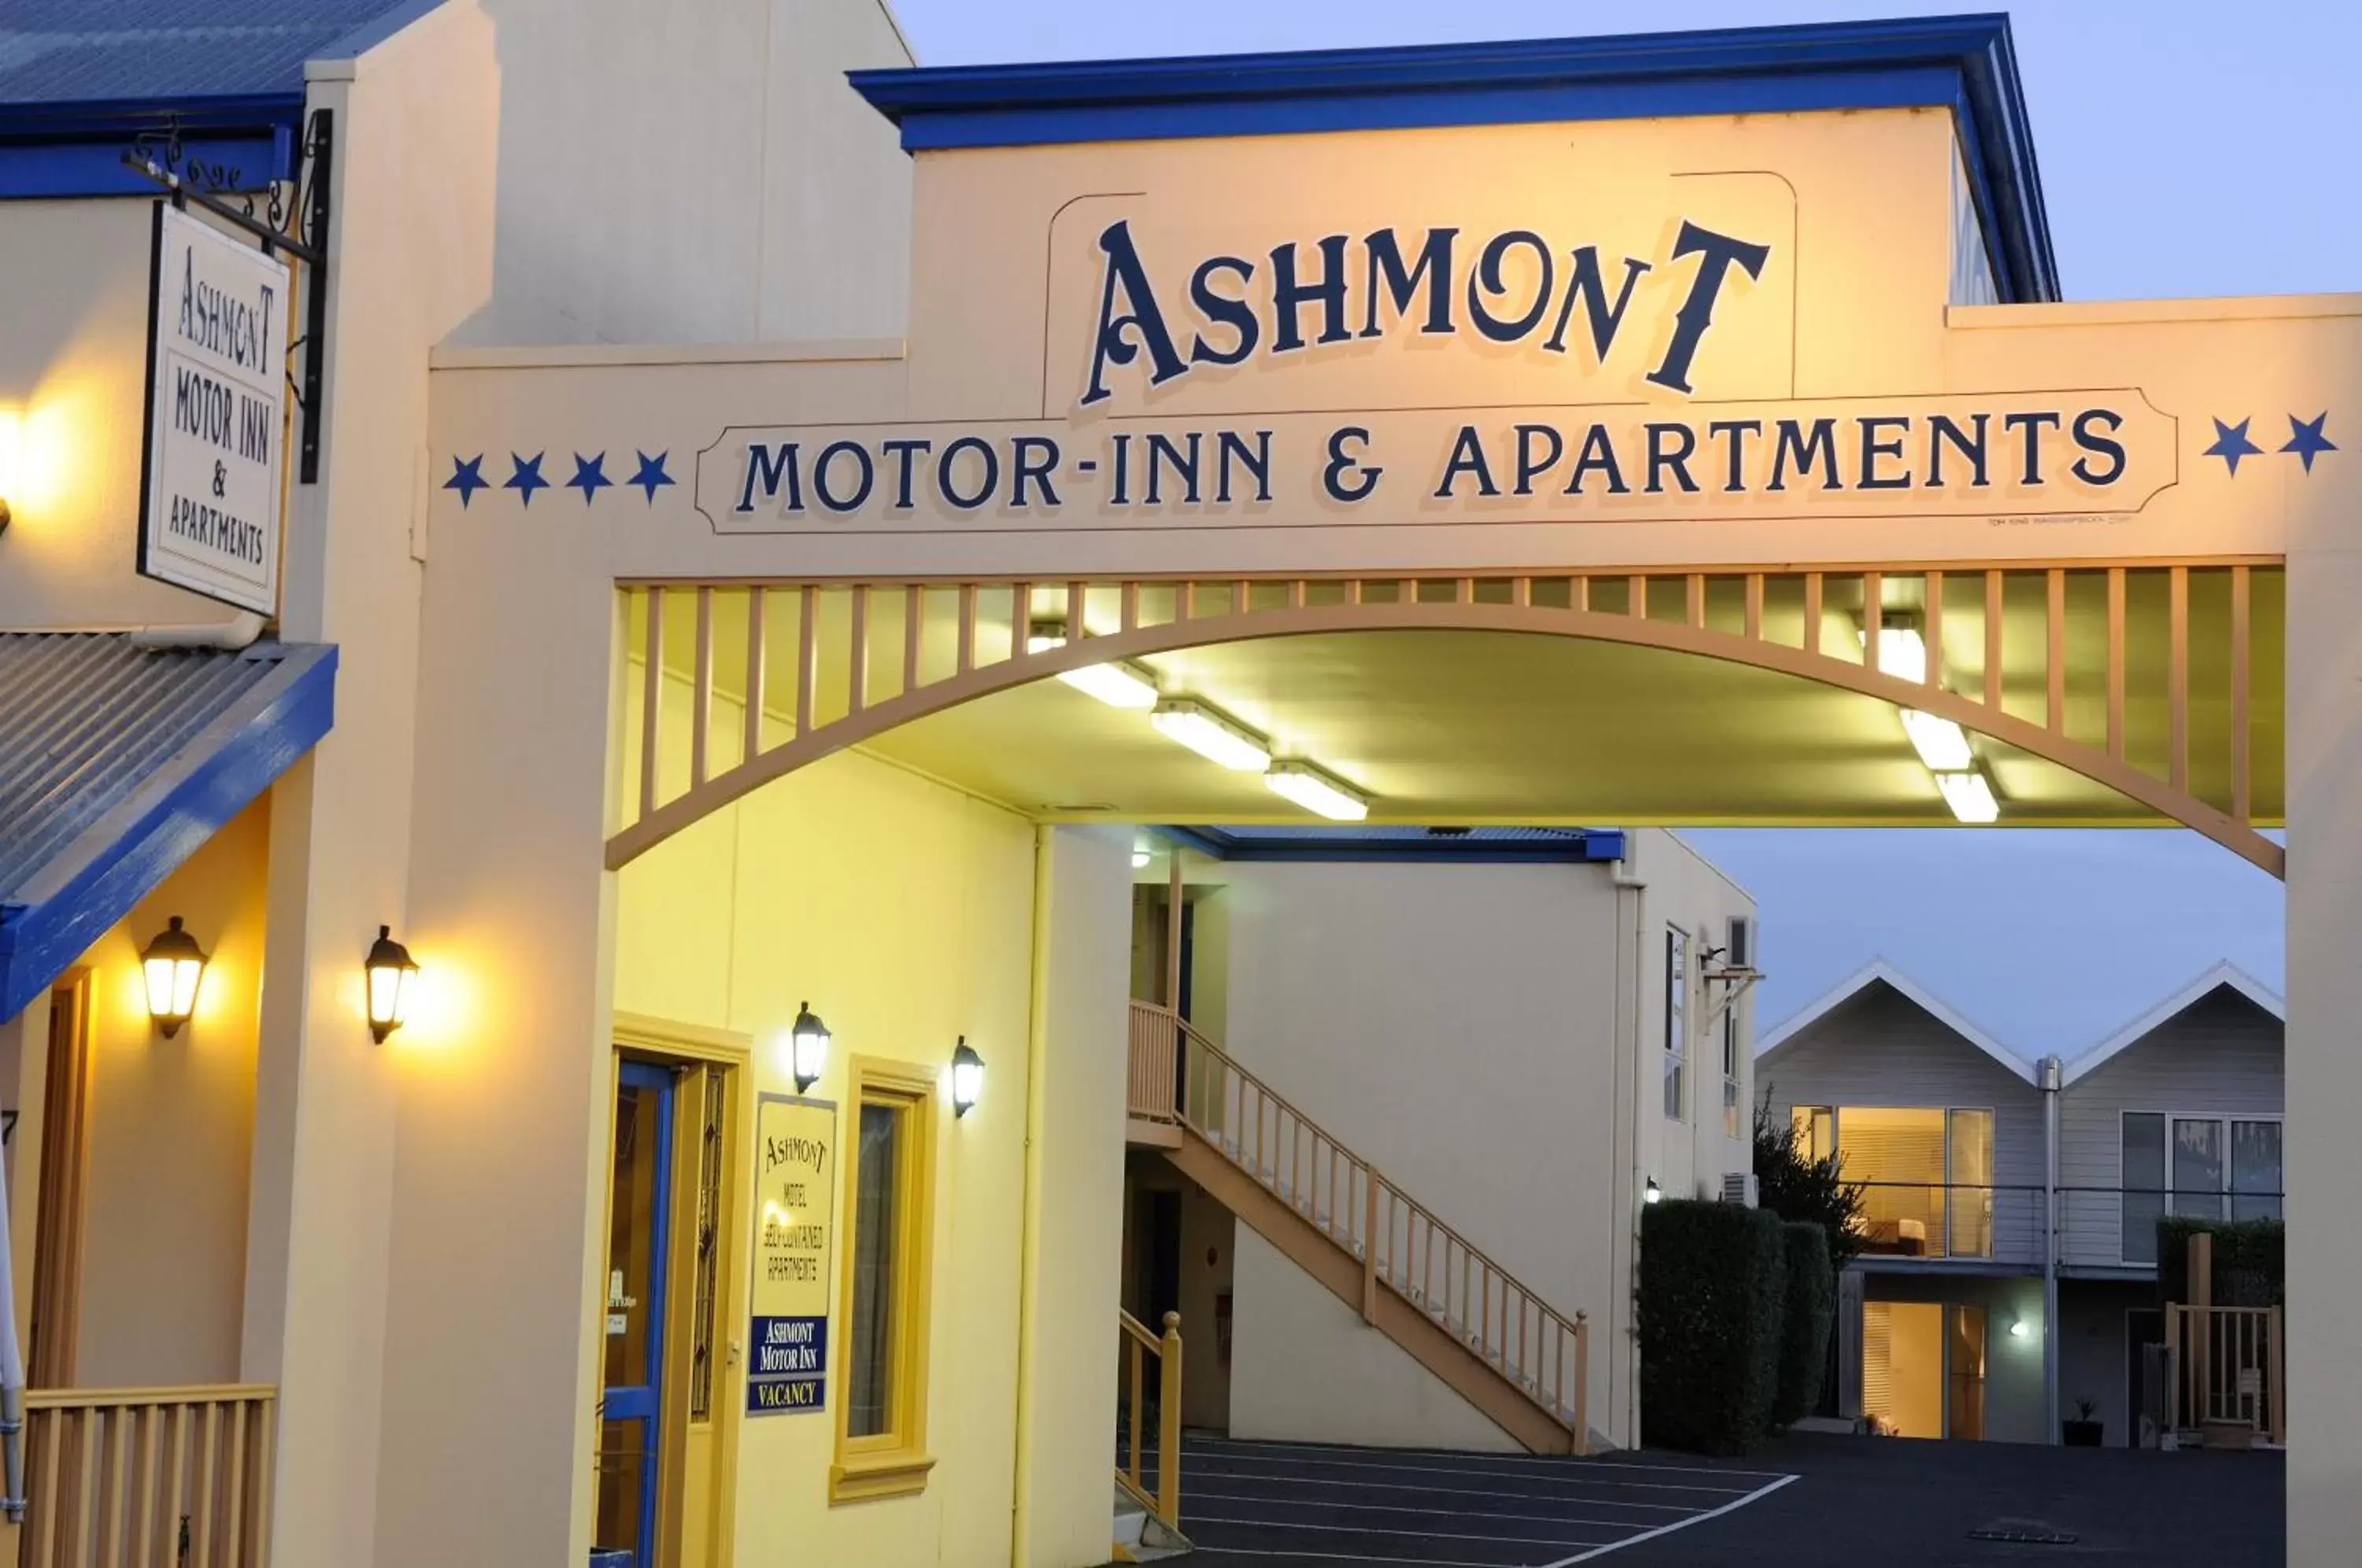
(116, 761)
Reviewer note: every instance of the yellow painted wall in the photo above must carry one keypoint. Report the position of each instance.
(902, 911)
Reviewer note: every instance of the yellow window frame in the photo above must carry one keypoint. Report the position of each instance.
(894, 1463)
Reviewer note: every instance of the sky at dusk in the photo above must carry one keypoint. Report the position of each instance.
(2186, 149)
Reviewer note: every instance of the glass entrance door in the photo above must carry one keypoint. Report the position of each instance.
(639, 1225)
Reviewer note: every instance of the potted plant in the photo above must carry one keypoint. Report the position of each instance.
(2082, 1432)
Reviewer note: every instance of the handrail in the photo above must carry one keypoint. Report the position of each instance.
(1402, 1243)
(2230, 1365)
(136, 1475)
(1138, 1345)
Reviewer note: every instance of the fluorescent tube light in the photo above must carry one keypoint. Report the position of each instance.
(1902, 653)
(1211, 735)
(1941, 744)
(1117, 685)
(1970, 798)
(1316, 791)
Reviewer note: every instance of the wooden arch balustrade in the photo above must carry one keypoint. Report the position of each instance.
(805, 669)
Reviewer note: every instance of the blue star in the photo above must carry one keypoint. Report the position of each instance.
(468, 478)
(2231, 444)
(528, 478)
(590, 477)
(2306, 440)
(652, 474)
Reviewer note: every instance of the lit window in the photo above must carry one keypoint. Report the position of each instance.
(1677, 1033)
(1815, 1130)
(2208, 1166)
(881, 1435)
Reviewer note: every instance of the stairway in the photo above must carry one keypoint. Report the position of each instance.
(1414, 1278)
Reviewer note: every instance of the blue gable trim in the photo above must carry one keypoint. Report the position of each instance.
(256, 743)
(76, 149)
(1966, 64)
(1592, 847)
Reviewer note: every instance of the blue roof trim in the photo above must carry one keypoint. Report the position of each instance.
(1580, 847)
(1963, 63)
(76, 149)
(212, 780)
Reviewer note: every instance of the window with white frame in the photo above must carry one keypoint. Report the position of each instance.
(2211, 1166)
(1677, 1026)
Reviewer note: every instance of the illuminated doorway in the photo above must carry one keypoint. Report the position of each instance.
(1923, 1369)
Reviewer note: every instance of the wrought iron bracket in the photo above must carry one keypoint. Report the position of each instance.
(292, 216)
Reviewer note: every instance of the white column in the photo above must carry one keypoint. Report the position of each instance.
(2324, 1070)
(1074, 1197)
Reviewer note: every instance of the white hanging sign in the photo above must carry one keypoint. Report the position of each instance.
(211, 487)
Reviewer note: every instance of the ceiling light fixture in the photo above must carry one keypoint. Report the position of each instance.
(1942, 744)
(1316, 791)
(1119, 685)
(1211, 734)
(1969, 795)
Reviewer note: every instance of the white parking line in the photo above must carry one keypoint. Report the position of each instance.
(1544, 1460)
(1398, 1488)
(1668, 1529)
(1280, 1457)
(1412, 1534)
(1399, 1509)
(1338, 1557)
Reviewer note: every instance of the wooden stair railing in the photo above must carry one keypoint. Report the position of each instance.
(1139, 1345)
(1517, 1359)
(147, 1478)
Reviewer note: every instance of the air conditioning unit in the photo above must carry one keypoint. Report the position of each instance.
(1741, 952)
(1738, 1187)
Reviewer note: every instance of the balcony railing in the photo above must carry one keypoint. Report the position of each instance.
(2116, 1227)
(1958, 1220)
(2096, 1227)
(147, 1478)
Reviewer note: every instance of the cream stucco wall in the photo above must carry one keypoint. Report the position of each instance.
(1470, 1029)
(171, 1124)
(695, 175)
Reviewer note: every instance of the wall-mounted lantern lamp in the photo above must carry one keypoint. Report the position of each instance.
(2017, 1329)
(967, 1077)
(1652, 1193)
(808, 1042)
(390, 972)
(173, 963)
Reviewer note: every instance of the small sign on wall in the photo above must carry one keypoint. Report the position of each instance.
(795, 1210)
(213, 478)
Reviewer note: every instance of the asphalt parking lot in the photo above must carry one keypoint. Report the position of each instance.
(1281, 1503)
(1804, 1501)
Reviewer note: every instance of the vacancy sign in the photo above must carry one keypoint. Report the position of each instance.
(216, 415)
(795, 1206)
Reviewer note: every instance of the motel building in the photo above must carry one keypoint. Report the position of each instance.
(626, 628)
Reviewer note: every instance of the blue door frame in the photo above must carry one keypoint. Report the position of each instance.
(642, 1402)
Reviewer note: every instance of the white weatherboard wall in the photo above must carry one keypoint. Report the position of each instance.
(1456, 1024)
(1880, 1048)
(2223, 1056)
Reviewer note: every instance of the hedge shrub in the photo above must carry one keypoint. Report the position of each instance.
(2251, 1260)
(1811, 1316)
(1711, 1300)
